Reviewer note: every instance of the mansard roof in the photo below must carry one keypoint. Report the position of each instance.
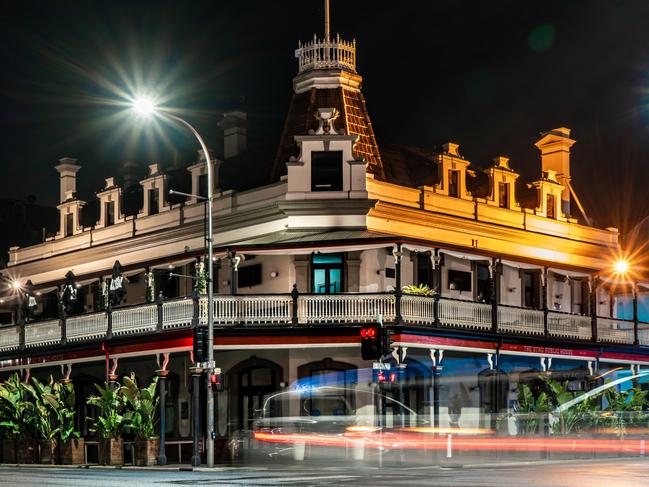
(354, 120)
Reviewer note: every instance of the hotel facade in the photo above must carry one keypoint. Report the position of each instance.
(338, 239)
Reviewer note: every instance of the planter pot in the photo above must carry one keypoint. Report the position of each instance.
(26, 450)
(72, 452)
(9, 450)
(111, 451)
(47, 451)
(146, 452)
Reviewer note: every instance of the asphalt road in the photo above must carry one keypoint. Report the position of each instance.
(600, 473)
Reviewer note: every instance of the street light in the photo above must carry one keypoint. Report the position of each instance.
(145, 107)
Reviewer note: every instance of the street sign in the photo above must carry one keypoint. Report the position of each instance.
(210, 365)
(380, 366)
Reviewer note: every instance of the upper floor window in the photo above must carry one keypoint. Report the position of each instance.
(531, 282)
(550, 203)
(424, 270)
(202, 185)
(154, 206)
(69, 224)
(453, 183)
(110, 213)
(327, 273)
(503, 195)
(327, 171)
(483, 283)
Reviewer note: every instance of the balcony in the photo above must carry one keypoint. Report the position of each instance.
(307, 310)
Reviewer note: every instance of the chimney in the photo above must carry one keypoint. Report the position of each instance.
(67, 169)
(555, 156)
(234, 133)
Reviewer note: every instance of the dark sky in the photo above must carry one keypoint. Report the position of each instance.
(487, 75)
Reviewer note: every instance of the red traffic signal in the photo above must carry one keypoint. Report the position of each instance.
(371, 342)
(217, 382)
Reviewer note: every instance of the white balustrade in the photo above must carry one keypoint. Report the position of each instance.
(345, 308)
(520, 320)
(643, 333)
(614, 330)
(86, 327)
(326, 54)
(42, 333)
(135, 319)
(252, 309)
(418, 309)
(570, 325)
(465, 314)
(9, 338)
(177, 313)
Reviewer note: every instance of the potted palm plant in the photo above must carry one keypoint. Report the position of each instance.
(71, 446)
(43, 408)
(110, 423)
(142, 405)
(18, 418)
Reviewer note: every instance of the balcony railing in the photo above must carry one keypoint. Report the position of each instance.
(321, 309)
(249, 310)
(520, 320)
(345, 308)
(464, 314)
(615, 330)
(566, 325)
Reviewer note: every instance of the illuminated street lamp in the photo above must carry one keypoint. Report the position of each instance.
(145, 107)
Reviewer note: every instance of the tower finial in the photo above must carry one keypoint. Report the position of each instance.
(326, 20)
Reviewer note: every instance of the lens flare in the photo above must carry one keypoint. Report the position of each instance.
(143, 106)
(621, 266)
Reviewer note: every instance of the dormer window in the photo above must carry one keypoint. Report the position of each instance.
(327, 171)
(453, 185)
(154, 207)
(69, 224)
(503, 195)
(110, 213)
(550, 203)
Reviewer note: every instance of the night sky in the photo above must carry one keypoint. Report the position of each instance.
(487, 75)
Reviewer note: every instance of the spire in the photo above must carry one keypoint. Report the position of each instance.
(326, 53)
(326, 21)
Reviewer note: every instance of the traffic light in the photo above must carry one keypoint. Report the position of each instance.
(371, 342)
(217, 382)
(200, 344)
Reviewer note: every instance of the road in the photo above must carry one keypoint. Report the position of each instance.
(600, 473)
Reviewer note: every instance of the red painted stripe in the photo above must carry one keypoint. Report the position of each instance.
(625, 356)
(569, 352)
(451, 342)
(182, 342)
(288, 340)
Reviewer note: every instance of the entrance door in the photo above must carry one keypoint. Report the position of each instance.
(254, 384)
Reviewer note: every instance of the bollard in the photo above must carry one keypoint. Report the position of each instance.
(449, 446)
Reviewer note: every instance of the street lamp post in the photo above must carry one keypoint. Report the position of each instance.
(145, 107)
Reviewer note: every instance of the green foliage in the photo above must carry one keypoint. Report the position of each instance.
(42, 408)
(201, 278)
(111, 403)
(142, 406)
(532, 410)
(418, 290)
(15, 409)
(65, 412)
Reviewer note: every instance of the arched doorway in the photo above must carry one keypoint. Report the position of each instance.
(251, 380)
(340, 376)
